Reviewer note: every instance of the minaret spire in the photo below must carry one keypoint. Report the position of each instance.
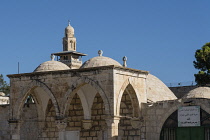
(69, 41)
(69, 22)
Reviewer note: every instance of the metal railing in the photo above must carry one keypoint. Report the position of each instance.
(180, 84)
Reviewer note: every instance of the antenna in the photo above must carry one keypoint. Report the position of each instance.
(18, 67)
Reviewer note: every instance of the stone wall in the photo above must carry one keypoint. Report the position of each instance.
(126, 131)
(4, 125)
(181, 91)
(154, 116)
(49, 131)
(75, 115)
(76, 119)
(29, 122)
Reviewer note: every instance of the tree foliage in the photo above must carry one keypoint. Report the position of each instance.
(4, 87)
(202, 63)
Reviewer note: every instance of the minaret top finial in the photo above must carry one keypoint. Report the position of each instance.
(100, 52)
(68, 22)
(124, 61)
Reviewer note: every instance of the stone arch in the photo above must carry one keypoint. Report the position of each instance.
(165, 116)
(172, 110)
(26, 93)
(84, 102)
(127, 83)
(129, 111)
(87, 113)
(77, 85)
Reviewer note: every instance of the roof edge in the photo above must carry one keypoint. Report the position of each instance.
(79, 70)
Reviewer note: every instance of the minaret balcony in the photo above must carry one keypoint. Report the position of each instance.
(71, 61)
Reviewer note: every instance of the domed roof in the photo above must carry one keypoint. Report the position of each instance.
(100, 61)
(51, 66)
(69, 29)
(157, 90)
(199, 92)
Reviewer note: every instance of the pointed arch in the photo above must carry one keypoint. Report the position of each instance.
(77, 85)
(128, 109)
(128, 84)
(29, 123)
(26, 92)
(85, 105)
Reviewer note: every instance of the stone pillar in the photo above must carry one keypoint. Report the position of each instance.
(112, 124)
(14, 129)
(61, 128)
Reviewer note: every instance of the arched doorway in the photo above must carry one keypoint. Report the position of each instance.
(171, 131)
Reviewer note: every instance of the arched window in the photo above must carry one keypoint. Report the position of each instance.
(71, 44)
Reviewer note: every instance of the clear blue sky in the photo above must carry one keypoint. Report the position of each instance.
(159, 36)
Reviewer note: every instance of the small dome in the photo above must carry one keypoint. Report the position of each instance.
(157, 90)
(199, 92)
(100, 61)
(69, 30)
(51, 66)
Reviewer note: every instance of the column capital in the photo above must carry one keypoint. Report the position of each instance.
(61, 125)
(112, 119)
(112, 123)
(87, 124)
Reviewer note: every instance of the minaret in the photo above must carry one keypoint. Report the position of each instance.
(69, 56)
(69, 41)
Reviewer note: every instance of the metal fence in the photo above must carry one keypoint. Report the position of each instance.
(180, 84)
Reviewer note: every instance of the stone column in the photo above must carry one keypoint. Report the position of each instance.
(14, 129)
(112, 124)
(61, 128)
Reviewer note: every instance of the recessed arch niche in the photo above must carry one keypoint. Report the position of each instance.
(171, 131)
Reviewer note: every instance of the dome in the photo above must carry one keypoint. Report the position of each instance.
(157, 90)
(199, 92)
(69, 30)
(100, 61)
(51, 66)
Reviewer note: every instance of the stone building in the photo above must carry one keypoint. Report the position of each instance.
(99, 99)
(3, 98)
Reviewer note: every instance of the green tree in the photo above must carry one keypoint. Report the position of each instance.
(4, 87)
(202, 63)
